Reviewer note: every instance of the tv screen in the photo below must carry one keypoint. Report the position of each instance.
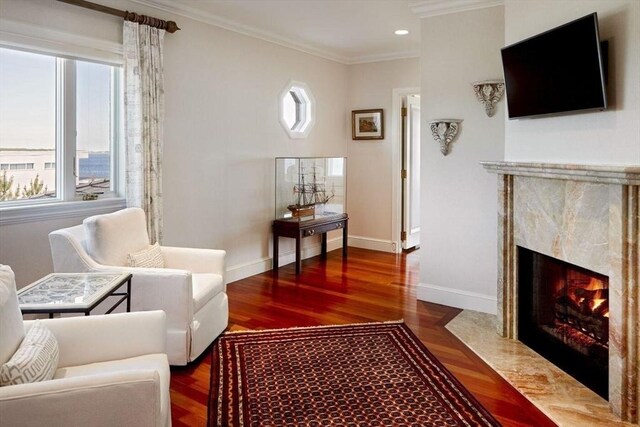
(558, 71)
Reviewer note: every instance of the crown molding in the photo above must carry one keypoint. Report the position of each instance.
(247, 30)
(384, 57)
(427, 8)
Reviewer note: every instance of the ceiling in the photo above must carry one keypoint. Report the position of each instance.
(347, 31)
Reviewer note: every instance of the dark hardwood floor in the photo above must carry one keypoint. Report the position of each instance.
(370, 286)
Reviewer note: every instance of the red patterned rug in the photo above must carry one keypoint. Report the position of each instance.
(376, 374)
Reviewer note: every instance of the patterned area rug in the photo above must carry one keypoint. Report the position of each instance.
(375, 374)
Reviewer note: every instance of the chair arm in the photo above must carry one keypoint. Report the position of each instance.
(112, 399)
(166, 289)
(68, 255)
(91, 339)
(195, 260)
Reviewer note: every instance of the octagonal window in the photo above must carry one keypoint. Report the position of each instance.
(297, 109)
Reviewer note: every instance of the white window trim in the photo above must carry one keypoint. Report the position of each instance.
(301, 131)
(40, 39)
(67, 203)
(51, 211)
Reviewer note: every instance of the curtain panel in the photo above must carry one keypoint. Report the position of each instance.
(143, 121)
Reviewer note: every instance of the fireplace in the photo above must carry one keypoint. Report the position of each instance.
(563, 314)
(587, 215)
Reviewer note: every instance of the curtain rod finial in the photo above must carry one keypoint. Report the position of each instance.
(172, 27)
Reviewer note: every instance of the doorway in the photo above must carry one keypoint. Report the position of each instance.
(410, 172)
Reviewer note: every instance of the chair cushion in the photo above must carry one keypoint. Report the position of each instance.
(111, 237)
(35, 360)
(205, 287)
(11, 327)
(157, 362)
(149, 258)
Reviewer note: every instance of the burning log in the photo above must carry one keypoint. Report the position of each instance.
(585, 316)
(588, 294)
(601, 309)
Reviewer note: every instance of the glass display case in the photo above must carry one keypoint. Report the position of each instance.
(310, 187)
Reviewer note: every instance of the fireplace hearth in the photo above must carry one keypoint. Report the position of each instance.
(563, 314)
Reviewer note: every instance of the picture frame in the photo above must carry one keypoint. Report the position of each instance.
(367, 124)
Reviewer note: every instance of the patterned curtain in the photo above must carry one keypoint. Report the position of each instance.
(144, 118)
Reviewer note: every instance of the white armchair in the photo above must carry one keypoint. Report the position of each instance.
(190, 289)
(112, 370)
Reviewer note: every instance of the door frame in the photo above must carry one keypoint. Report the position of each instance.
(396, 162)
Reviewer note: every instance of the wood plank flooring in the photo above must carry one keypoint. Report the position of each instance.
(369, 286)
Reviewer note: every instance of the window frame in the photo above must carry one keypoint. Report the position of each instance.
(66, 201)
(299, 91)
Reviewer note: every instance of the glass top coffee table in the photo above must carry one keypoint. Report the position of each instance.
(73, 293)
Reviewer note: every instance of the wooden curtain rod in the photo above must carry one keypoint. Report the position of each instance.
(169, 26)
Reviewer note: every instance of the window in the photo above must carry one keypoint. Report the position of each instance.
(59, 127)
(297, 110)
(16, 166)
(336, 166)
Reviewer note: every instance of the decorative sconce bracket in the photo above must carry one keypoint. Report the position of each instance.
(444, 131)
(489, 92)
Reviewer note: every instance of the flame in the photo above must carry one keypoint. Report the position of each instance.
(597, 303)
(594, 284)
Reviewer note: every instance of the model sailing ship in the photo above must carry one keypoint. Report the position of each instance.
(309, 194)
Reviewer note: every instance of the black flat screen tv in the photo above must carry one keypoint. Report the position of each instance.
(561, 70)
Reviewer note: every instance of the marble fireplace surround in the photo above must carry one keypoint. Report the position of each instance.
(586, 215)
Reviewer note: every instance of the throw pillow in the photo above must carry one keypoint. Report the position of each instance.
(11, 327)
(35, 360)
(150, 258)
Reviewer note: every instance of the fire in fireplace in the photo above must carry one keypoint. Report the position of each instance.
(563, 314)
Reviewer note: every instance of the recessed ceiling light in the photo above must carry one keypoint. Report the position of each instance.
(401, 32)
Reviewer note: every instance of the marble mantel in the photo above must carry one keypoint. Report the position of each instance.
(586, 215)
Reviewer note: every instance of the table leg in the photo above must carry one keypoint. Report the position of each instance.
(129, 295)
(298, 253)
(323, 250)
(345, 239)
(275, 252)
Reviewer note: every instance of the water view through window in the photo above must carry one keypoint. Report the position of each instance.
(31, 149)
(93, 140)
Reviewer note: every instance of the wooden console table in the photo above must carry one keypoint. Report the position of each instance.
(297, 228)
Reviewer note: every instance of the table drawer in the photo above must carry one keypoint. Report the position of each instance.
(323, 228)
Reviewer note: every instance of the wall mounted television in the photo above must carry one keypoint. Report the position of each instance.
(559, 71)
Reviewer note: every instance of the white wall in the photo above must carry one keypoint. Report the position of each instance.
(458, 259)
(370, 164)
(222, 133)
(610, 137)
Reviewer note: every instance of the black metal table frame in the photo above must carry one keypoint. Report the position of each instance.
(123, 296)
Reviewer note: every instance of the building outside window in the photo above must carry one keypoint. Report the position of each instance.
(59, 127)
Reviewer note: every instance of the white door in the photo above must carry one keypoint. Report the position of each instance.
(411, 173)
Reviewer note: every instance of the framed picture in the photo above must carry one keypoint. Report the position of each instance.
(367, 124)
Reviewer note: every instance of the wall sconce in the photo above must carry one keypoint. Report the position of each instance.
(444, 131)
(489, 92)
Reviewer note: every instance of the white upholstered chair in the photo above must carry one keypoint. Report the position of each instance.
(112, 369)
(190, 289)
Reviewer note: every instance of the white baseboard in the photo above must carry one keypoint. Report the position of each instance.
(373, 244)
(457, 298)
(241, 271)
(247, 269)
